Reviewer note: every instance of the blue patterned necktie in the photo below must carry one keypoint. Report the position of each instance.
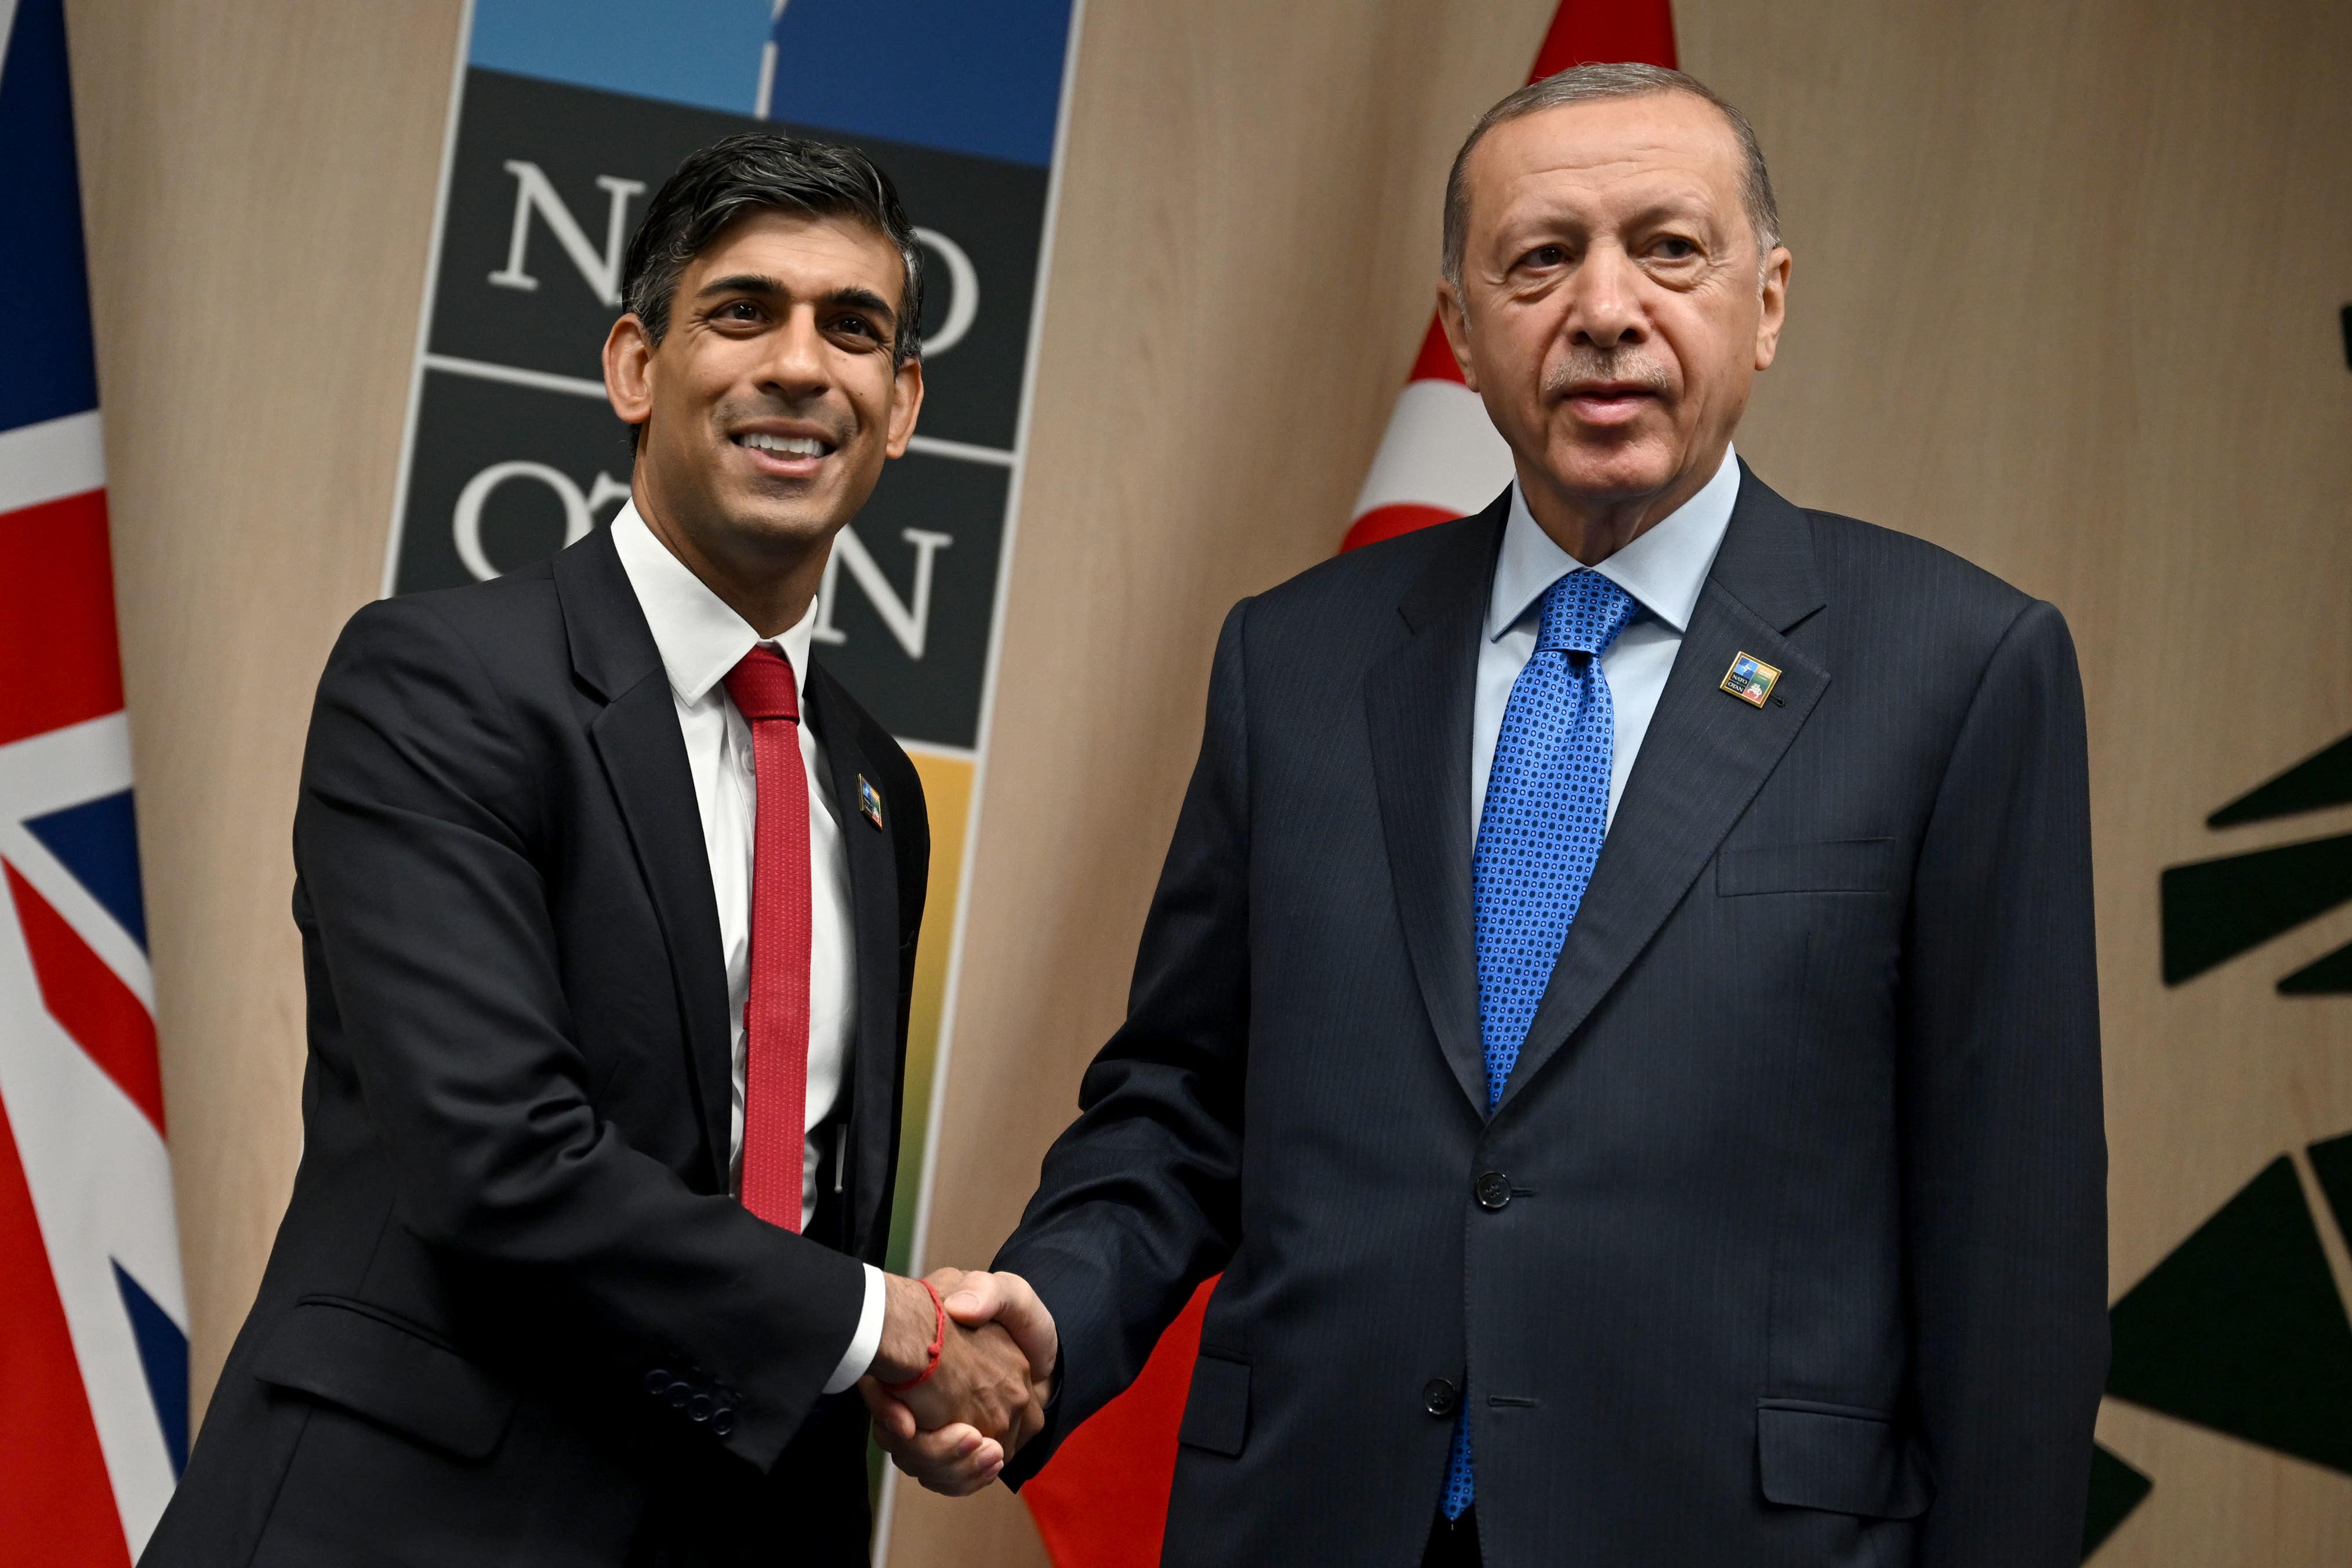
(1538, 836)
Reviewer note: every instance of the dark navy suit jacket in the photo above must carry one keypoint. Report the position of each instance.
(512, 1314)
(1785, 1244)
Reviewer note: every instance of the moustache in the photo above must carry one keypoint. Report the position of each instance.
(1615, 368)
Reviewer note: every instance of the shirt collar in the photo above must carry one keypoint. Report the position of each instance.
(699, 636)
(1664, 568)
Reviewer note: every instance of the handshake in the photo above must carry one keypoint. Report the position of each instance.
(952, 1418)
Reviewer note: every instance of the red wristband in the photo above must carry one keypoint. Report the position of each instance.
(939, 1342)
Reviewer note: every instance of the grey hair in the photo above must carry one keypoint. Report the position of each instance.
(1593, 84)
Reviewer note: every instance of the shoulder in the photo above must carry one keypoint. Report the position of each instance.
(1870, 560)
(1381, 574)
(1914, 619)
(467, 685)
(495, 633)
(1337, 615)
(1901, 584)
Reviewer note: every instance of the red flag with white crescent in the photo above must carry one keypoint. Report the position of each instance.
(1102, 1502)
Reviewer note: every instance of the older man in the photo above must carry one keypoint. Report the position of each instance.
(1620, 1007)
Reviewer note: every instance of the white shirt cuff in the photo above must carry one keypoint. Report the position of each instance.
(858, 1360)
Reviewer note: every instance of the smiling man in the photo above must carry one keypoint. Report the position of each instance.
(608, 902)
(1620, 1006)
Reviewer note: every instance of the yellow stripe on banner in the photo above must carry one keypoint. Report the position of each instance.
(947, 796)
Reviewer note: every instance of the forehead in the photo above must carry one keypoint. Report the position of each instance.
(807, 254)
(1618, 153)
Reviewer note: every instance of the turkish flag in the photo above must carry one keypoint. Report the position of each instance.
(1102, 1501)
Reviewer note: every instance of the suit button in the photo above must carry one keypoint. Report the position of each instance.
(1438, 1396)
(657, 1381)
(1494, 1191)
(722, 1420)
(678, 1394)
(698, 1407)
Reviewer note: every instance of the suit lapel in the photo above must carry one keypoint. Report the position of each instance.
(873, 1068)
(1418, 703)
(1705, 755)
(637, 739)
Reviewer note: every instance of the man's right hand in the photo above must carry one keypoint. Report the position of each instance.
(954, 1431)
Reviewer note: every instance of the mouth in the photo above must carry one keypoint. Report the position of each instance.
(1608, 402)
(791, 452)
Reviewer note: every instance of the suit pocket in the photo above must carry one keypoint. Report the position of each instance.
(1840, 866)
(1216, 1414)
(1840, 1460)
(348, 1354)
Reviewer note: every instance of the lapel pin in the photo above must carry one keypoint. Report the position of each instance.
(1750, 680)
(870, 802)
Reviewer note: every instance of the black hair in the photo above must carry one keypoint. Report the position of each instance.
(758, 171)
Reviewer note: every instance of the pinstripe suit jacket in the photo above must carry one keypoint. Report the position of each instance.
(1785, 1244)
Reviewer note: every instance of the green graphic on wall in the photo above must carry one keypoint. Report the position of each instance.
(2240, 1328)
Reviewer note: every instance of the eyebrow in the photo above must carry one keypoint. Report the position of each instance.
(759, 283)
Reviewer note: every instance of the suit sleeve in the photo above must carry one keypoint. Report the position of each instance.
(1137, 1200)
(2004, 1143)
(415, 838)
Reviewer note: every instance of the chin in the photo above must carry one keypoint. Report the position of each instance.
(1635, 470)
(793, 526)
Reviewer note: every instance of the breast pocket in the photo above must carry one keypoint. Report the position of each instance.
(1835, 865)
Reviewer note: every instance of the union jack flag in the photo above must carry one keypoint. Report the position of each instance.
(93, 1319)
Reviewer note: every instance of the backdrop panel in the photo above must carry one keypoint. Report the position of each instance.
(256, 179)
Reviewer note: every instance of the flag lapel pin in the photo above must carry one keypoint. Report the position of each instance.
(1750, 680)
(870, 801)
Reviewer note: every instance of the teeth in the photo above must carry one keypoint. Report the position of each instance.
(786, 446)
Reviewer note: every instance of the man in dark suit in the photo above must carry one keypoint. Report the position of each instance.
(1620, 1007)
(609, 904)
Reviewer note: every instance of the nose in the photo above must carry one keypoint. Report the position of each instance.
(1607, 311)
(798, 367)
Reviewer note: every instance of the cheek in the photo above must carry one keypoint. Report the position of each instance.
(1524, 346)
(868, 383)
(696, 384)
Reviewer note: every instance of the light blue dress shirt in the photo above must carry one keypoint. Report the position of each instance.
(1663, 569)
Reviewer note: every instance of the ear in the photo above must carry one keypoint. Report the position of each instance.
(1776, 307)
(1455, 316)
(629, 370)
(905, 402)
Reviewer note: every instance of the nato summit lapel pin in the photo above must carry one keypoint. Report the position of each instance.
(1750, 680)
(870, 802)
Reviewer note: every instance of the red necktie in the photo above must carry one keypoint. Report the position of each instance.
(776, 1010)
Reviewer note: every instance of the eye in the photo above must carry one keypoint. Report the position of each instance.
(1546, 256)
(1674, 248)
(737, 311)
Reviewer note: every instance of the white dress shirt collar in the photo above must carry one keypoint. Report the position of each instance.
(699, 635)
(1664, 568)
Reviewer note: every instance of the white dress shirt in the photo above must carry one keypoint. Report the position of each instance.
(1663, 569)
(701, 640)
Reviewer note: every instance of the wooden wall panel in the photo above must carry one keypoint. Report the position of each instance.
(258, 182)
